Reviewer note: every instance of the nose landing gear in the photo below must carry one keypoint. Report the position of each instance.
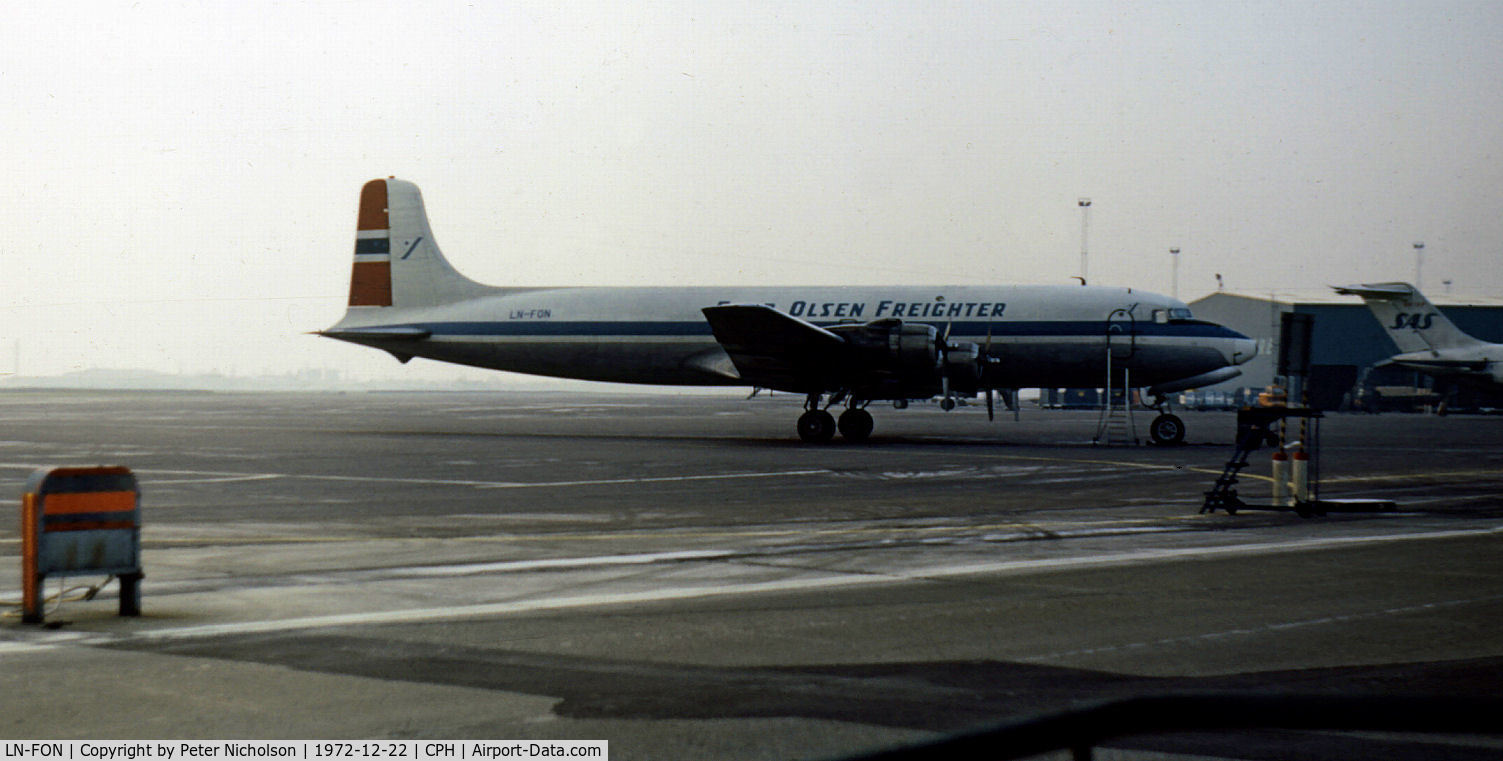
(1167, 430)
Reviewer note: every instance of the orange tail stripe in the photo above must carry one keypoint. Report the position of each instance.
(370, 284)
(373, 206)
(88, 502)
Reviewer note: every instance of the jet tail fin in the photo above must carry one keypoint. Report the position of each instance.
(397, 261)
(1410, 319)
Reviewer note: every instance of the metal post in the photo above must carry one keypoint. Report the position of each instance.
(31, 597)
(1085, 220)
(130, 594)
(1419, 252)
(1174, 272)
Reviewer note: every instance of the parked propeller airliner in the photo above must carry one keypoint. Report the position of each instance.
(1427, 340)
(849, 345)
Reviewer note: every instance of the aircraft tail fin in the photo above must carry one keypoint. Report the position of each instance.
(397, 262)
(1410, 319)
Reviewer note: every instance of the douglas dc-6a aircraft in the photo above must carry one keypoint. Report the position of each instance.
(833, 345)
(1427, 340)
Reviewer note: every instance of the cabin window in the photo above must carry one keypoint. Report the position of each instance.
(1160, 316)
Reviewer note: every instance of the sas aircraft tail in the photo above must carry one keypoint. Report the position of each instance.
(1410, 319)
(397, 261)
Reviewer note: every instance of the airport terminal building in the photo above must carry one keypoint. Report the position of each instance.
(1347, 339)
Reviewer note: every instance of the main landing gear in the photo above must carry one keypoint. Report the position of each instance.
(855, 424)
(818, 426)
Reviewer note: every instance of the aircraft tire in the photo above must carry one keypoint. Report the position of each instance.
(816, 426)
(856, 424)
(1167, 430)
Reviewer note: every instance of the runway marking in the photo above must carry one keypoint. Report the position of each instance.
(1121, 464)
(213, 476)
(1494, 473)
(958, 531)
(210, 476)
(213, 479)
(1062, 530)
(819, 582)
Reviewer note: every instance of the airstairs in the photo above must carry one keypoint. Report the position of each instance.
(1116, 426)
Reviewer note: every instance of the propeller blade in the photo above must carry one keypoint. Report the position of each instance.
(991, 410)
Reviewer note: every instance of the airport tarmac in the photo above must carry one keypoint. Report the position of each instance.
(679, 575)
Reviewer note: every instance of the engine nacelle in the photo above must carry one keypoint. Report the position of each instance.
(913, 348)
(910, 360)
(962, 363)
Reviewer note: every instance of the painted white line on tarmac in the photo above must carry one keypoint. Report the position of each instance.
(213, 479)
(808, 583)
(512, 566)
(211, 476)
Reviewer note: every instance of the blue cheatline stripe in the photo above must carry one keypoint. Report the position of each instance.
(373, 245)
(1000, 329)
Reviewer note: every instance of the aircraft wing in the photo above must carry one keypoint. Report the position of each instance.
(773, 349)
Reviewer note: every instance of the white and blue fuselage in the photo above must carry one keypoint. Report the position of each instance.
(1042, 336)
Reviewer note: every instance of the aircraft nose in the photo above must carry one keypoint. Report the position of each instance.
(1243, 349)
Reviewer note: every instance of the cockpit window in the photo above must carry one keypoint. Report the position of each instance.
(1180, 313)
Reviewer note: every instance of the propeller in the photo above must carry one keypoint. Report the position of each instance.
(946, 403)
(980, 356)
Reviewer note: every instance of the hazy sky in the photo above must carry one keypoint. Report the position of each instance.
(184, 175)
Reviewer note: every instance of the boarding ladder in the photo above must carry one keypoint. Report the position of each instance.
(1116, 426)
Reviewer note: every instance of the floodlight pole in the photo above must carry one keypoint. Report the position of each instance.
(1085, 222)
(1419, 251)
(1174, 273)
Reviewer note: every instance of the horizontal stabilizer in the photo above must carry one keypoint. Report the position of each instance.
(376, 334)
(1393, 291)
(1441, 364)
